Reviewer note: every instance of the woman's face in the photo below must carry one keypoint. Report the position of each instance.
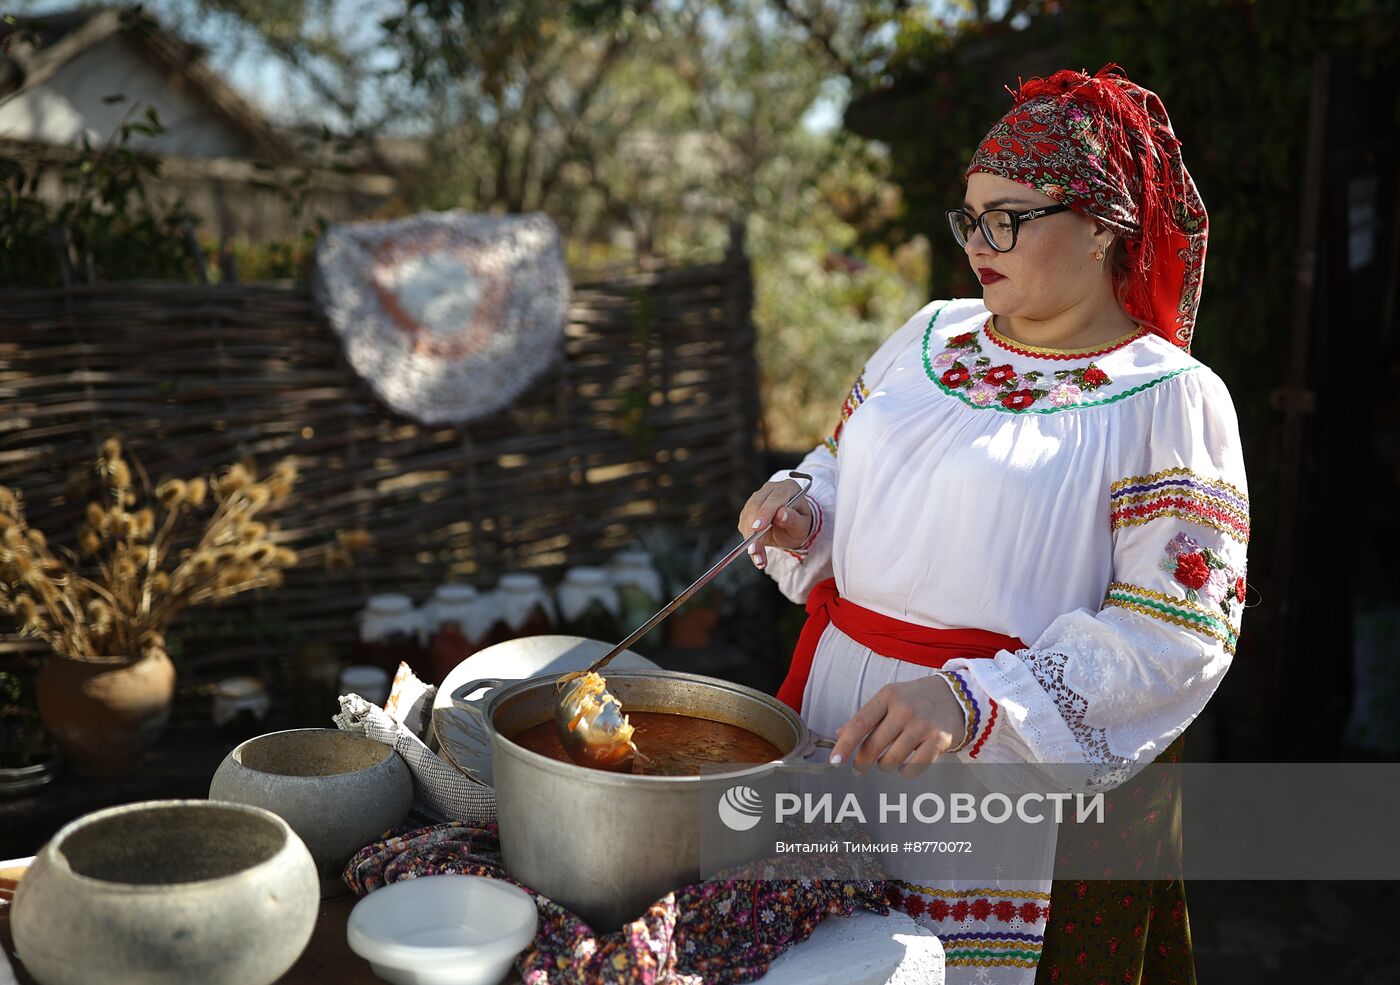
(1050, 270)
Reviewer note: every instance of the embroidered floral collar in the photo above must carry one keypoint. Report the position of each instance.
(965, 370)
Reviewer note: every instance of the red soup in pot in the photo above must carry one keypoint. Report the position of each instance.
(671, 745)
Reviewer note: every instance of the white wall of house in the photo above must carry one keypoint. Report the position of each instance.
(70, 103)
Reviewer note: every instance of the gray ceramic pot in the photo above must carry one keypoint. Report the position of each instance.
(338, 791)
(167, 891)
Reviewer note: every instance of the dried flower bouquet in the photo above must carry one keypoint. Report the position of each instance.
(133, 577)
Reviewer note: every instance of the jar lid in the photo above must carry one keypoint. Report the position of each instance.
(390, 603)
(521, 581)
(455, 593)
(233, 688)
(585, 575)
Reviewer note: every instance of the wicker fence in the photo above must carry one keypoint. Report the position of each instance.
(648, 418)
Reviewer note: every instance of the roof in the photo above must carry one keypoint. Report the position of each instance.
(34, 48)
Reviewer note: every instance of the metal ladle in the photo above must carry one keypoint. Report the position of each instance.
(589, 720)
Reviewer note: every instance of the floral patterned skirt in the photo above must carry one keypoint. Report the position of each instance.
(1123, 932)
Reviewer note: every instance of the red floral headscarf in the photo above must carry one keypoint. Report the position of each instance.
(1104, 146)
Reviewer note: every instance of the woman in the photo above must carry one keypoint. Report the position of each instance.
(1025, 541)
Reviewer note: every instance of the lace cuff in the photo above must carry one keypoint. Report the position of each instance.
(1048, 668)
(1039, 718)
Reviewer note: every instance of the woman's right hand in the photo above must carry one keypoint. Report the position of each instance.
(792, 525)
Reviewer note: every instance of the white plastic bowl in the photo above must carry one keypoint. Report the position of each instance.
(443, 930)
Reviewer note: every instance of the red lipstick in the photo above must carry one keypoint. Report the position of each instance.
(988, 276)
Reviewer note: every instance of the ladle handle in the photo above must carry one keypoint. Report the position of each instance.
(700, 582)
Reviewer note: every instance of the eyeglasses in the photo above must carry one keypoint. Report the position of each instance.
(999, 226)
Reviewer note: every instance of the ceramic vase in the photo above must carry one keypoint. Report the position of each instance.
(105, 713)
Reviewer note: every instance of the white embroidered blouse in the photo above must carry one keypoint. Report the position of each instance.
(1090, 503)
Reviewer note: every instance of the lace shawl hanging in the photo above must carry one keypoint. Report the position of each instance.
(450, 315)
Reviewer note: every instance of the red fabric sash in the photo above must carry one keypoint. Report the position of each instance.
(887, 636)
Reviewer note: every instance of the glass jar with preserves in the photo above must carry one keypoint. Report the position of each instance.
(240, 707)
(453, 621)
(389, 629)
(523, 608)
(640, 593)
(588, 605)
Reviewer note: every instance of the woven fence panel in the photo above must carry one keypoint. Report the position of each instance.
(646, 419)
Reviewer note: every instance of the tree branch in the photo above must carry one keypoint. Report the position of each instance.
(819, 37)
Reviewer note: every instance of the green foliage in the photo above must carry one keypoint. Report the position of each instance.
(282, 259)
(643, 127)
(939, 94)
(23, 741)
(110, 226)
(820, 311)
(446, 41)
(107, 226)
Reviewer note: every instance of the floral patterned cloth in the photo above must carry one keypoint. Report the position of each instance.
(964, 369)
(449, 316)
(1104, 146)
(725, 930)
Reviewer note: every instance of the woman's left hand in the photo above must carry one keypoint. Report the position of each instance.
(905, 727)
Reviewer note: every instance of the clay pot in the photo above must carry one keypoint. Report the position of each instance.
(693, 628)
(105, 713)
(167, 893)
(338, 791)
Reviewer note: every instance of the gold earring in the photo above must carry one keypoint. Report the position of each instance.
(1098, 254)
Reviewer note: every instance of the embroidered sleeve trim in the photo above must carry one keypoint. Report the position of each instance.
(1183, 504)
(854, 398)
(1178, 612)
(1219, 486)
(972, 713)
(1183, 494)
(982, 739)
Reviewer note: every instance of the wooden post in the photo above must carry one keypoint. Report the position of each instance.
(738, 294)
(1294, 399)
(201, 269)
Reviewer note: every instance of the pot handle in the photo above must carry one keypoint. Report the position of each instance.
(474, 705)
(796, 761)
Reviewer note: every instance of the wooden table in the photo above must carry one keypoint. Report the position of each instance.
(180, 767)
(860, 950)
(327, 959)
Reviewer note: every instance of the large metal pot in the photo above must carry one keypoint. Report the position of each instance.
(606, 845)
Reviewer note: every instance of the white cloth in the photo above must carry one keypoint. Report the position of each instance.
(448, 315)
(437, 786)
(1092, 505)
